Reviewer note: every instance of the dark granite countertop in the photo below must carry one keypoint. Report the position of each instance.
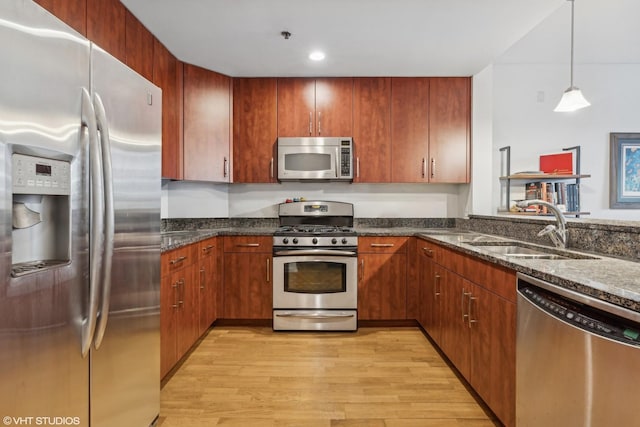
(610, 279)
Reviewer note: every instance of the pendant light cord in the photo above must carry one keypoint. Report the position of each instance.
(571, 65)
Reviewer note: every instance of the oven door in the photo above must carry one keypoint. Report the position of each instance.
(315, 282)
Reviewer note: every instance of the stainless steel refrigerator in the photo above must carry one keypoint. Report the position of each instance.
(80, 149)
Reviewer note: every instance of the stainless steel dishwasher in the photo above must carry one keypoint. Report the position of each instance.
(577, 359)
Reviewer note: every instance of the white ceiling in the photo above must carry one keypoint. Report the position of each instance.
(360, 37)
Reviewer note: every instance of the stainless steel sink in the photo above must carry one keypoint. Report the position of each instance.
(519, 250)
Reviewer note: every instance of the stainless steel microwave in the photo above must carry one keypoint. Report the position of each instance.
(321, 158)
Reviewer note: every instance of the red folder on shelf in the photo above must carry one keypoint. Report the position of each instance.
(559, 163)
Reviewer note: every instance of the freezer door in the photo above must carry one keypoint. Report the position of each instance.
(125, 361)
(45, 66)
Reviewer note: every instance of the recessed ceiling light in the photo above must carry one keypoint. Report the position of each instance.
(316, 56)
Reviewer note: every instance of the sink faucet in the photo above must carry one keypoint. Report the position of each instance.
(557, 233)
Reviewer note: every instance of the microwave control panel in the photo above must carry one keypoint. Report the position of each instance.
(345, 158)
(40, 175)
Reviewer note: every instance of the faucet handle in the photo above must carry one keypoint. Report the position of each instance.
(548, 229)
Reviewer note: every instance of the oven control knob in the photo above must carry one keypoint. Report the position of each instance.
(334, 241)
(295, 240)
(285, 240)
(344, 240)
(314, 241)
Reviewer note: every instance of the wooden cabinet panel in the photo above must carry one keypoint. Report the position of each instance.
(255, 130)
(207, 116)
(449, 129)
(372, 129)
(72, 12)
(167, 74)
(168, 324)
(208, 280)
(334, 106)
(106, 26)
(139, 47)
(296, 107)
(382, 282)
(409, 129)
(315, 107)
(430, 311)
(188, 309)
(247, 288)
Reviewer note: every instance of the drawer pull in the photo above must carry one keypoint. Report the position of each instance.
(382, 245)
(428, 252)
(177, 260)
(248, 245)
(207, 248)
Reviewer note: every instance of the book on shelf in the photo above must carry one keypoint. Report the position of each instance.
(561, 194)
(557, 163)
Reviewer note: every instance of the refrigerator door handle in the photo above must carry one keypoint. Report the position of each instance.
(109, 221)
(96, 222)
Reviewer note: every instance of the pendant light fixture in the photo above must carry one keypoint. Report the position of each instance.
(572, 98)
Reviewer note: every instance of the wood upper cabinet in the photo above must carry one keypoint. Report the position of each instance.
(207, 125)
(106, 26)
(247, 286)
(167, 74)
(449, 129)
(255, 130)
(409, 129)
(372, 129)
(72, 12)
(382, 281)
(139, 46)
(315, 107)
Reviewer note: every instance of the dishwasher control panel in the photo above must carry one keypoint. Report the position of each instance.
(582, 316)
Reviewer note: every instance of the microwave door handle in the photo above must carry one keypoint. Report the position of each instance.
(337, 162)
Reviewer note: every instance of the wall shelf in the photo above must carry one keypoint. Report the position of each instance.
(508, 177)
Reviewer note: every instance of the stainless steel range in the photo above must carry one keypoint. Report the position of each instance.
(315, 261)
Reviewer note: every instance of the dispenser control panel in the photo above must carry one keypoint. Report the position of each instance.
(40, 175)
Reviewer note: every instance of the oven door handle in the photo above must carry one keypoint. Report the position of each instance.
(315, 252)
(316, 316)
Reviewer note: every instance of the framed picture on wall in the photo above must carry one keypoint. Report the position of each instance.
(624, 171)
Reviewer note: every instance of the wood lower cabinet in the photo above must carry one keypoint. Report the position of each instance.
(468, 307)
(382, 278)
(372, 129)
(247, 284)
(207, 125)
(179, 308)
(208, 279)
(255, 130)
(315, 107)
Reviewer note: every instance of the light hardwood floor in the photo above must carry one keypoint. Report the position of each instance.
(254, 377)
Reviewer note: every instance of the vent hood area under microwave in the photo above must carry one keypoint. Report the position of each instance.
(315, 159)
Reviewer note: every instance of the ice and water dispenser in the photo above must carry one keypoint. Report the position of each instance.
(41, 213)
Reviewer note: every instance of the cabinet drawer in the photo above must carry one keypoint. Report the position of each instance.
(382, 244)
(178, 258)
(248, 243)
(207, 247)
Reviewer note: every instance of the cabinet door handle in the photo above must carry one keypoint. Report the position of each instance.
(202, 272)
(225, 169)
(268, 270)
(424, 167)
(175, 295)
(382, 245)
(248, 245)
(271, 168)
(464, 315)
(177, 260)
(357, 167)
(471, 320)
(436, 285)
(361, 269)
(181, 300)
(310, 122)
(433, 167)
(428, 252)
(319, 122)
